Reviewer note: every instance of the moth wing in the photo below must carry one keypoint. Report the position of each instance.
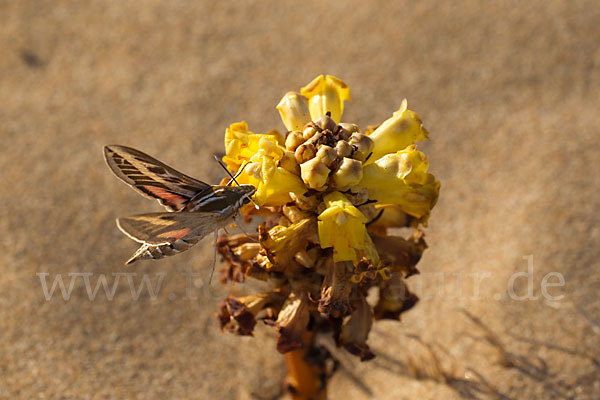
(152, 178)
(167, 234)
(164, 228)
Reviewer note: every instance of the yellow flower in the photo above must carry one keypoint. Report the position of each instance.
(241, 145)
(402, 179)
(274, 184)
(282, 243)
(326, 94)
(294, 112)
(396, 133)
(342, 226)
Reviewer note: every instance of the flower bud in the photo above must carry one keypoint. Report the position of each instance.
(247, 251)
(289, 163)
(304, 201)
(363, 146)
(293, 140)
(294, 214)
(358, 196)
(348, 174)
(326, 122)
(294, 112)
(307, 258)
(314, 173)
(305, 152)
(348, 129)
(309, 131)
(326, 94)
(343, 149)
(396, 133)
(327, 155)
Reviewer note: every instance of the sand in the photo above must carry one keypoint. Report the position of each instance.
(508, 90)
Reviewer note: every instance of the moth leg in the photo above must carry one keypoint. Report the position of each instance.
(244, 231)
(214, 256)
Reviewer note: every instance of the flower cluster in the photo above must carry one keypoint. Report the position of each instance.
(331, 197)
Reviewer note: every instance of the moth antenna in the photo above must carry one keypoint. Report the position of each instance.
(229, 173)
(236, 175)
(212, 271)
(239, 172)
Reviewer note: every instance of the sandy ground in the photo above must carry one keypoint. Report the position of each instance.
(508, 91)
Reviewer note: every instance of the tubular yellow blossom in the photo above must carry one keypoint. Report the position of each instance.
(241, 145)
(293, 109)
(396, 133)
(282, 243)
(342, 226)
(326, 94)
(402, 179)
(391, 216)
(275, 185)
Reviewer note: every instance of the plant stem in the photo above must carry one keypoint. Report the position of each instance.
(305, 381)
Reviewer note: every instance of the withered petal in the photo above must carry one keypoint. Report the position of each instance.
(234, 317)
(394, 299)
(292, 321)
(355, 330)
(400, 254)
(335, 291)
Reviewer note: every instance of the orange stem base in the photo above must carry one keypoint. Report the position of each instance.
(304, 381)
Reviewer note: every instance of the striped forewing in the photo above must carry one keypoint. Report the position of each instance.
(152, 178)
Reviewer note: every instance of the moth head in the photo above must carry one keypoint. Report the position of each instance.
(247, 193)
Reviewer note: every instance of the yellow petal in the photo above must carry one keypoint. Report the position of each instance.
(396, 133)
(275, 185)
(283, 243)
(342, 226)
(402, 179)
(294, 112)
(241, 145)
(326, 94)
